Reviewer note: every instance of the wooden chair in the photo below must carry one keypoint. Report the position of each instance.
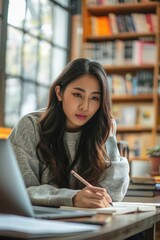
(5, 132)
(123, 149)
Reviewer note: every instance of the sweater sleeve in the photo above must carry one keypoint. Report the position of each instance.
(24, 139)
(116, 179)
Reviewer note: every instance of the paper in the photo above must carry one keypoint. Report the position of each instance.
(137, 204)
(18, 226)
(118, 208)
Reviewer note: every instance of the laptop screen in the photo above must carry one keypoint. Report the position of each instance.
(13, 195)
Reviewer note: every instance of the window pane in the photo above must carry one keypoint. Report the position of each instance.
(30, 57)
(29, 98)
(44, 62)
(60, 26)
(13, 53)
(46, 19)
(42, 96)
(12, 101)
(59, 62)
(16, 16)
(32, 23)
(63, 2)
(36, 53)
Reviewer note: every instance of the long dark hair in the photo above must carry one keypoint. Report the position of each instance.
(91, 153)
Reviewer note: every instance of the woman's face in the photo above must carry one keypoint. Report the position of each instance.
(80, 101)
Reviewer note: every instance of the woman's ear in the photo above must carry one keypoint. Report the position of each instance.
(58, 93)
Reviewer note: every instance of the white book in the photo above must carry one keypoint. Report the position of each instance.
(117, 208)
(26, 227)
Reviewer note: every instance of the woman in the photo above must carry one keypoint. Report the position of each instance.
(75, 131)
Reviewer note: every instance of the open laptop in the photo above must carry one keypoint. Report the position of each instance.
(14, 197)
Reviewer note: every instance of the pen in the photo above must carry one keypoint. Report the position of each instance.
(83, 181)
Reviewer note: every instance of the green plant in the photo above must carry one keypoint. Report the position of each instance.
(154, 151)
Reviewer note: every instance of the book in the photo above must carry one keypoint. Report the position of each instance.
(141, 193)
(113, 23)
(139, 187)
(146, 115)
(100, 26)
(25, 227)
(145, 179)
(129, 115)
(116, 209)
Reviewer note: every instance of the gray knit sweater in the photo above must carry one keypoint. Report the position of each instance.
(24, 139)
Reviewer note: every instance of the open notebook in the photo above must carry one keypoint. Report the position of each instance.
(117, 208)
(14, 198)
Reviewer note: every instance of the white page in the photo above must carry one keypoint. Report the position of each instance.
(108, 210)
(136, 203)
(117, 208)
(13, 225)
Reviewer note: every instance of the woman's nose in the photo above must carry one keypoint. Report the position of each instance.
(84, 105)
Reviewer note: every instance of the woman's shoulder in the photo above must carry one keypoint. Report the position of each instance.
(31, 118)
(28, 125)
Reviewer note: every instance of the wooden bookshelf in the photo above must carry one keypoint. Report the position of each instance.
(150, 98)
(132, 98)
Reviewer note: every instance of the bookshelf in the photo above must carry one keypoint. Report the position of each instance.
(131, 57)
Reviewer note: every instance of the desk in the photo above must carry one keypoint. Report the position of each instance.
(120, 227)
(123, 226)
(147, 200)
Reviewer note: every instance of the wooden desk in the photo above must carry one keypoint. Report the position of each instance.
(121, 227)
(147, 200)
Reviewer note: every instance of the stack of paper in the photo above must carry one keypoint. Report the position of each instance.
(25, 227)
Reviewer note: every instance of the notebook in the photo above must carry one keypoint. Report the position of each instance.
(117, 208)
(14, 197)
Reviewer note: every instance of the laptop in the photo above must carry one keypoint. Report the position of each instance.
(14, 198)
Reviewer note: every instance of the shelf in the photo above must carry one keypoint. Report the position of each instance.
(131, 129)
(121, 36)
(122, 8)
(146, 104)
(132, 98)
(139, 158)
(125, 68)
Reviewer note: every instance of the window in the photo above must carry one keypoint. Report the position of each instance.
(37, 51)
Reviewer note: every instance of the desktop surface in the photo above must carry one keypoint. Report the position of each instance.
(123, 226)
(120, 227)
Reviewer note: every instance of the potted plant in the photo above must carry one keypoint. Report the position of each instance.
(154, 157)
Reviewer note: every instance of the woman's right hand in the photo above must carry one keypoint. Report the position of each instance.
(92, 197)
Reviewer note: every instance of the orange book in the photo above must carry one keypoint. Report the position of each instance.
(104, 27)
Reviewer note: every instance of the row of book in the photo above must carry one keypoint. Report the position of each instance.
(133, 115)
(135, 52)
(110, 2)
(115, 24)
(144, 186)
(141, 82)
(138, 143)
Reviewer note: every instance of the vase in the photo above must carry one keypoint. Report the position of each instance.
(155, 166)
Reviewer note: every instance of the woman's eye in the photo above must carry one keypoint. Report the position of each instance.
(95, 98)
(77, 94)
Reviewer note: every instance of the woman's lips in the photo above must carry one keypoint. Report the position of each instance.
(81, 117)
